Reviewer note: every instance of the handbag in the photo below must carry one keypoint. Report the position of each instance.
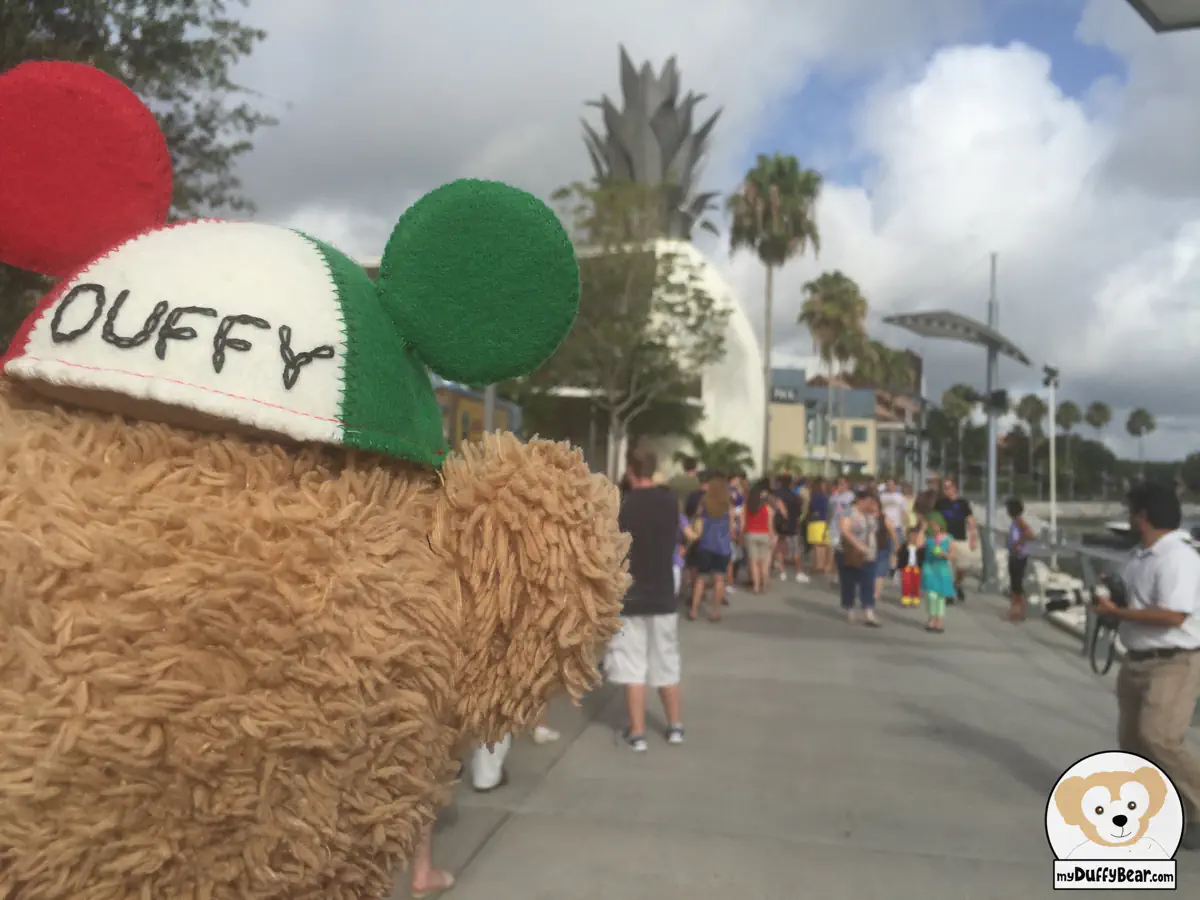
(852, 557)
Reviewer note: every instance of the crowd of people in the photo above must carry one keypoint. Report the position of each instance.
(706, 534)
(857, 532)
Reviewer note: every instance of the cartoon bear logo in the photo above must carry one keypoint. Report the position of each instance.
(1114, 806)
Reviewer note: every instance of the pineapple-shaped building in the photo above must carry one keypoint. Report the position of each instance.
(653, 139)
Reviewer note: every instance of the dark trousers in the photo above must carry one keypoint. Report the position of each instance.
(859, 581)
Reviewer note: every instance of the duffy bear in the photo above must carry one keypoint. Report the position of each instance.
(250, 603)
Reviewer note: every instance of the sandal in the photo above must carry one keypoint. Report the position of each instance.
(447, 882)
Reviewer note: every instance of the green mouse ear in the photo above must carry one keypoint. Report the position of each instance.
(481, 280)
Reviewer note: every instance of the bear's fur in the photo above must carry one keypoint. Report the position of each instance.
(232, 669)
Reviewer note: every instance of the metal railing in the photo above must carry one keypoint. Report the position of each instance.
(1074, 558)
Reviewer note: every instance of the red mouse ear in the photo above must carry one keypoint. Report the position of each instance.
(83, 167)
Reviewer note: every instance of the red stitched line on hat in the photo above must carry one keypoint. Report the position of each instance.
(232, 396)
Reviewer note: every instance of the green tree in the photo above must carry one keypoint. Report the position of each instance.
(1139, 424)
(722, 455)
(646, 328)
(1031, 409)
(958, 402)
(179, 57)
(1098, 416)
(885, 368)
(774, 217)
(939, 431)
(1067, 417)
(1189, 471)
(834, 312)
(787, 463)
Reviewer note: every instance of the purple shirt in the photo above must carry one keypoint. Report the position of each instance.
(678, 541)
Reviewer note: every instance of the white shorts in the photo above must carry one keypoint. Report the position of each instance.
(645, 651)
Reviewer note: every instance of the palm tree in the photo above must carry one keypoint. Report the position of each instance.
(958, 402)
(884, 368)
(723, 455)
(1067, 417)
(774, 216)
(1098, 416)
(889, 372)
(834, 313)
(1139, 424)
(786, 462)
(1031, 410)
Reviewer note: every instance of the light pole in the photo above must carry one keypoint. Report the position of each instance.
(1051, 382)
(993, 376)
(953, 326)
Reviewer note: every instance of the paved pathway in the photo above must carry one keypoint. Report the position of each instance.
(822, 761)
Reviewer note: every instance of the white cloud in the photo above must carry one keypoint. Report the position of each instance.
(980, 152)
(383, 105)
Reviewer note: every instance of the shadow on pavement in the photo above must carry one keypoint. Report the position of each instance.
(1008, 753)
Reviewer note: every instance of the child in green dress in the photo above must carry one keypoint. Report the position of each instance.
(937, 577)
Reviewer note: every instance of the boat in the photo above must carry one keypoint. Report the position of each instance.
(1121, 529)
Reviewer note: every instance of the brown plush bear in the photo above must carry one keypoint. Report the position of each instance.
(249, 604)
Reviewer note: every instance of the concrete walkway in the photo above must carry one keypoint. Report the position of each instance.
(821, 761)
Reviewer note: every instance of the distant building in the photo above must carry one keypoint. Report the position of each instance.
(870, 431)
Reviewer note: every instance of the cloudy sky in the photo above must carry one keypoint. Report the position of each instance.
(1061, 134)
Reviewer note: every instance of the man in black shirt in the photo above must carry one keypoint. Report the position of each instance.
(789, 510)
(646, 649)
(960, 524)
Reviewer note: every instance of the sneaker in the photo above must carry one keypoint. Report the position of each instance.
(635, 742)
(544, 735)
(783, 576)
(675, 734)
(801, 578)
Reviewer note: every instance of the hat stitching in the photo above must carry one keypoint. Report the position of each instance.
(334, 421)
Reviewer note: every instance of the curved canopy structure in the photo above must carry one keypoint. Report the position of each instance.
(1169, 15)
(951, 326)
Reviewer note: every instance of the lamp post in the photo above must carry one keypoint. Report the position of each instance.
(1051, 382)
(953, 326)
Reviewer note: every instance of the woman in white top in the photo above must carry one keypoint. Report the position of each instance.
(857, 534)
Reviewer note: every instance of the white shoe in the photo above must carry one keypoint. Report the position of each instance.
(783, 576)
(544, 735)
(801, 578)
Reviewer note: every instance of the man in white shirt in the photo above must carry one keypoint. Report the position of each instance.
(1159, 684)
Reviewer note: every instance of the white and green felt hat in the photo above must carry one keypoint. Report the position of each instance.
(256, 326)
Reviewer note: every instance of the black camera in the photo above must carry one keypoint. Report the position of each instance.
(1117, 592)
